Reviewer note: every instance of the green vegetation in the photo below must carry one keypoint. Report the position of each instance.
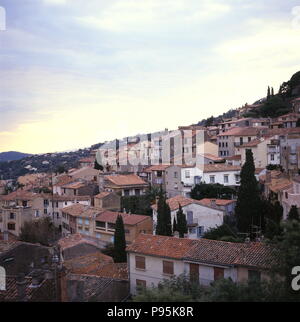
(40, 231)
(248, 206)
(181, 223)
(164, 226)
(293, 213)
(120, 242)
(206, 190)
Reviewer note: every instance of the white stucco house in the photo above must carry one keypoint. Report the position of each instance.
(151, 259)
(199, 217)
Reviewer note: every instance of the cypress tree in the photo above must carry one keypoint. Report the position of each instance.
(248, 206)
(120, 242)
(269, 93)
(293, 213)
(181, 223)
(97, 166)
(174, 225)
(163, 226)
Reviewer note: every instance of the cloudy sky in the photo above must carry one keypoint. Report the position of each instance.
(78, 72)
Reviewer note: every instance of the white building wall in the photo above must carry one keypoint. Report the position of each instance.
(153, 273)
(219, 177)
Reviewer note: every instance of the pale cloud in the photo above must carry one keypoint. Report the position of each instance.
(136, 15)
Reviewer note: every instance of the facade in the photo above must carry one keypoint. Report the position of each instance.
(291, 197)
(100, 224)
(108, 200)
(154, 258)
(228, 206)
(222, 173)
(199, 217)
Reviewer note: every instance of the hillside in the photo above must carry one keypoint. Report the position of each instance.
(12, 155)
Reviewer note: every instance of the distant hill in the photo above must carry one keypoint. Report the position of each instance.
(12, 156)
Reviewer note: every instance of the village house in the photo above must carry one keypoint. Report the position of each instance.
(291, 197)
(235, 137)
(108, 200)
(266, 150)
(85, 174)
(155, 258)
(125, 185)
(100, 224)
(228, 206)
(199, 217)
(227, 175)
(18, 207)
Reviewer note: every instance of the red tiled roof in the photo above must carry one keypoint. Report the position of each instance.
(73, 240)
(161, 246)
(219, 202)
(126, 180)
(103, 194)
(174, 202)
(128, 219)
(220, 167)
(158, 167)
(234, 157)
(243, 131)
(19, 195)
(204, 250)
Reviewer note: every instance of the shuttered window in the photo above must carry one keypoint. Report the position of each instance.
(168, 267)
(140, 262)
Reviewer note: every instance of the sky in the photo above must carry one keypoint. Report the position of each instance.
(77, 72)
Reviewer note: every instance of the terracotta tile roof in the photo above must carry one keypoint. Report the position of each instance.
(280, 184)
(128, 219)
(88, 263)
(234, 157)
(74, 185)
(221, 167)
(103, 194)
(204, 250)
(226, 253)
(158, 167)
(117, 271)
(219, 202)
(63, 180)
(243, 131)
(161, 246)
(252, 143)
(126, 180)
(19, 195)
(79, 210)
(74, 240)
(212, 157)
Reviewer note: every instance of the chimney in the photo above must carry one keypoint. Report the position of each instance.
(21, 288)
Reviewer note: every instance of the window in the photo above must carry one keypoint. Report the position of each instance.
(80, 221)
(100, 224)
(12, 216)
(45, 211)
(111, 226)
(249, 139)
(24, 203)
(137, 192)
(87, 222)
(140, 284)
(189, 217)
(98, 235)
(218, 273)
(11, 226)
(187, 174)
(140, 262)
(212, 179)
(254, 276)
(175, 175)
(126, 192)
(272, 157)
(168, 267)
(226, 180)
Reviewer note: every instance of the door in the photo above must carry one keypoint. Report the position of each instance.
(194, 273)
